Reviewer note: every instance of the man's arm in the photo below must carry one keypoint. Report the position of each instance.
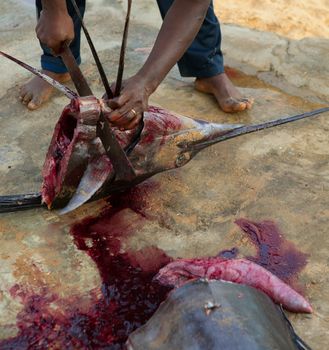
(55, 26)
(180, 27)
(177, 32)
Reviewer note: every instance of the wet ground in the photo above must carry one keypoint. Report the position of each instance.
(280, 174)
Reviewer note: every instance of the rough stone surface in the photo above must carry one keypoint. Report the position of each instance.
(281, 174)
(302, 64)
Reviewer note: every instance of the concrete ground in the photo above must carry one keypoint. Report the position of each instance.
(281, 174)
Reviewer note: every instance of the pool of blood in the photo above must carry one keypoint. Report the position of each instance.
(274, 252)
(128, 298)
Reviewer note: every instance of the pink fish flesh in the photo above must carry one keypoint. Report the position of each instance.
(240, 271)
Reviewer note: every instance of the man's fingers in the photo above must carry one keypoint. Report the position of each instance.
(114, 116)
(134, 122)
(113, 104)
(123, 99)
(128, 108)
(123, 110)
(126, 118)
(56, 48)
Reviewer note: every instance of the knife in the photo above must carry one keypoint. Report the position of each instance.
(121, 164)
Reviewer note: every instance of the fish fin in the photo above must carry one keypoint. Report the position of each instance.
(301, 345)
(62, 88)
(96, 173)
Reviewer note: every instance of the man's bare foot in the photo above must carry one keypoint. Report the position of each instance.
(227, 95)
(36, 91)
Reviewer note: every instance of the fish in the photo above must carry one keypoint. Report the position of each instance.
(216, 315)
(77, 168)
(241, 271)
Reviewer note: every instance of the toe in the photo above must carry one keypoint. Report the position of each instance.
(22, 93)
(248, 102)
(35, 103)
(27, 98)
(248, 105)
(240, 106)
(232, 105)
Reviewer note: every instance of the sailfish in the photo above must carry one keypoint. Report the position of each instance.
(77, 167)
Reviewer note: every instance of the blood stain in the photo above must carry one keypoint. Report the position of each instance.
(274, 252)
(128, 298)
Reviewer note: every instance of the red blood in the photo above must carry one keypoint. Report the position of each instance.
(129, 294)
(64, 138)
(275, 253)
(158, 127)
(65, 133)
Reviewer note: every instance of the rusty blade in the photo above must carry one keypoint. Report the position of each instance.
(94, 52)
(75, 72)
(65, 90)
(121, 164)
(123, 169)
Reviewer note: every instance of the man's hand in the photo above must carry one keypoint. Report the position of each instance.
(55, 27)
(177, 32)
(130, 105)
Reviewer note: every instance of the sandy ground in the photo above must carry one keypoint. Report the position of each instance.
(290, 18)
(279, 174)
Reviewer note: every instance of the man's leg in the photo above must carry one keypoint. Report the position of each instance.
(36, 91)
(204, 61)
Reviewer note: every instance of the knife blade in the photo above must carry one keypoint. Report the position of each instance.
(78, 79)
(121, 164)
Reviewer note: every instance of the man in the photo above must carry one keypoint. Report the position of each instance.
(190, 36)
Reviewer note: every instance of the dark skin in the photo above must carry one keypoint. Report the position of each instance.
(55, 26)
(181, 25)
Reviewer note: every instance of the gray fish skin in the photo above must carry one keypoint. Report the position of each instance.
(213, 315)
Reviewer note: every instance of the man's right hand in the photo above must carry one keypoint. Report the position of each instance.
(55, 26)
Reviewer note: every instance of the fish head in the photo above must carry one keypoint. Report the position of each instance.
(170, 140)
